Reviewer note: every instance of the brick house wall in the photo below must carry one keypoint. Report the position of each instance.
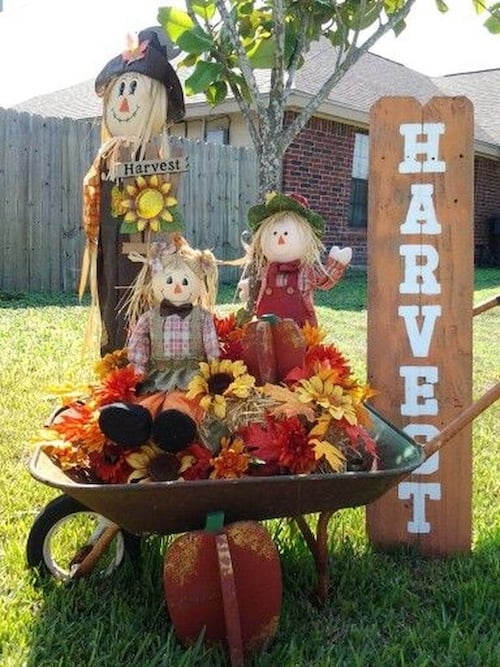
(486, 208)
(318, 164)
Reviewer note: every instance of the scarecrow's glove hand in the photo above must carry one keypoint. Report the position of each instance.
(343, 256)
(244, 290)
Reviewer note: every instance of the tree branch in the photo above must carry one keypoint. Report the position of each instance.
(352, 56)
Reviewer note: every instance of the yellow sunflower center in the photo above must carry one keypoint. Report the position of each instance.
(149, 203)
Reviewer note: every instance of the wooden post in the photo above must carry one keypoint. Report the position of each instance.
(420, 289)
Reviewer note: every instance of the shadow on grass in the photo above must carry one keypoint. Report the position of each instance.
(383, 609)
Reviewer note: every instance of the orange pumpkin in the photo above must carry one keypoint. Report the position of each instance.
(225, 581)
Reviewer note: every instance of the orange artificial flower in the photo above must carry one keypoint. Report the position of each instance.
(79, 425)
(119, 385)
(232, 461)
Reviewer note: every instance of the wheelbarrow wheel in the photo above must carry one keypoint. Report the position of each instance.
(63, 534)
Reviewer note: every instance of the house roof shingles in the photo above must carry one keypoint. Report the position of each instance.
(364, 83)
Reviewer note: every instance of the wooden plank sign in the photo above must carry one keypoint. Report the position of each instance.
(420, 288)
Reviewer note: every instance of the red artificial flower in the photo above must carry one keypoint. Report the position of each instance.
(119, 385)
(110, 464)
(296, 451)
(327, 356)
(195, 462)
(262, 440)
(230, 335)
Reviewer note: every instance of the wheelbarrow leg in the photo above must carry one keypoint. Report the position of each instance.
(318, 546)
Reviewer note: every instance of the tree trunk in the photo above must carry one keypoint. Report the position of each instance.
(269, 165)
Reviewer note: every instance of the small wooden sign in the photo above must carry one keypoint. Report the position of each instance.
(420, 289)
(171, 165)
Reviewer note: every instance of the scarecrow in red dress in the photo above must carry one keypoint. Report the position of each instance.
(142, 97)
(166, 345)
(286, 251)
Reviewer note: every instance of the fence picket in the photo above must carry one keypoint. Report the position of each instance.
(42, 165)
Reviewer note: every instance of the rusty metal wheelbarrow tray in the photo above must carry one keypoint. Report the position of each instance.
(177, 506)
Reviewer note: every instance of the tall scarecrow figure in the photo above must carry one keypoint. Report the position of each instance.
(142, 97)
(286, 251)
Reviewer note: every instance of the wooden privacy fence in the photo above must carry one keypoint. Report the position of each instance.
(42, 165)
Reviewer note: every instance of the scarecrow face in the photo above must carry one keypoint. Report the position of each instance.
(178, 284)
(128, 103)
(284, 240)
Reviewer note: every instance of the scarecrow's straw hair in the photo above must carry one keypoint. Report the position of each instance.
(201, 262)
(312, 251)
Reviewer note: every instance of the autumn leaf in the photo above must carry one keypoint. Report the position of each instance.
(290, 406)
(334, 456)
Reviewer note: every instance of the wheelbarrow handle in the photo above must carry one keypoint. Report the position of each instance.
(100, 546)
(457, 424)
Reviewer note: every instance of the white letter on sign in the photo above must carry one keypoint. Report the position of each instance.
(419, 390)
(419, 492)
(419, 277)
(420, 339)
(421, 216)
(429, 148)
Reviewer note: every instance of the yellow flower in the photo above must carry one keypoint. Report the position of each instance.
(147, 203)
(321, 390)
(218, 381)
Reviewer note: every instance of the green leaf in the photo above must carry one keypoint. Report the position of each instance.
(442, 6)
(493, 24)
(128, 228)
(261, 54)
(203, 8)
(204, 75)
(174, 21)
(399, 27)
(195, 41)
(216, 92)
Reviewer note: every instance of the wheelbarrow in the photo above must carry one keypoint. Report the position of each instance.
(125, 512)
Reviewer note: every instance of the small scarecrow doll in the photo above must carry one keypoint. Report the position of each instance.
(286, 252)
(166, 344)
(142, 97)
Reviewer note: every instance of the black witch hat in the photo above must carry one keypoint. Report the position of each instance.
(151, 59)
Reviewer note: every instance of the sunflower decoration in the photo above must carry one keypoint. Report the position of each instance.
(147, 203)
(149, 463)
(220, 381)
(111, 362)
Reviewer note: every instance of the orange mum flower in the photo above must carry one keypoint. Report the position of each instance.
(119, 385)
(232, 461)
(110, 362)
(313, 335)
(79, 426)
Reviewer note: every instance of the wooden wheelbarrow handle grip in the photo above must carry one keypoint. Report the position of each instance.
(457, 424)
(100, 546)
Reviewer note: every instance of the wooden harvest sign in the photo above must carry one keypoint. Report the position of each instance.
(420, 288)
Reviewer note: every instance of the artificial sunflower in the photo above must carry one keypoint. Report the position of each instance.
(328, 397)
(152, 464)
(233, 460)
(148, 203)
(218, 381)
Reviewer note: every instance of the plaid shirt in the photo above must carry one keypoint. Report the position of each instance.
(176, 339)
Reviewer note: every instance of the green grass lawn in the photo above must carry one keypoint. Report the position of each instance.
(383, 609)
